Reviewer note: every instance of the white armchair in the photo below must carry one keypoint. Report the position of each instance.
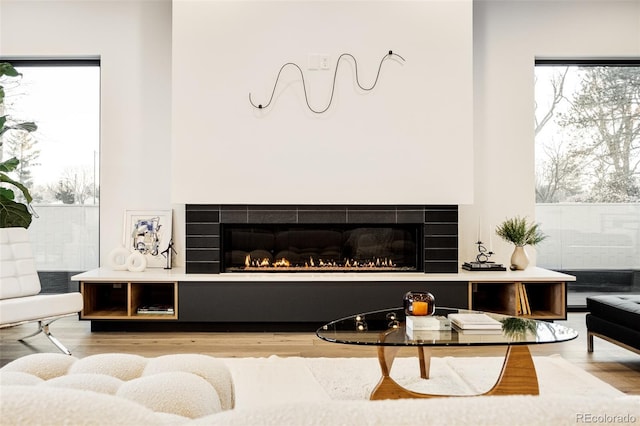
(20, 298)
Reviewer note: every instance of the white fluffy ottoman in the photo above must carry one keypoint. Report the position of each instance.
(186, 385)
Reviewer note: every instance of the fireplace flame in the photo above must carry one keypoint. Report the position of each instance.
(350, 264)
(263, 262)
(282, 262)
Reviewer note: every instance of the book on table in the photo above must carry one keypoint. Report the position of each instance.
(427, 323)
(475, 322)
(477, 331)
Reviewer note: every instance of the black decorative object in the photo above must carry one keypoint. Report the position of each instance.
(482, 262)
(333, 86)
(168, 254)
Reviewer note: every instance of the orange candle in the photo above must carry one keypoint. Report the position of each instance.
(419, 308)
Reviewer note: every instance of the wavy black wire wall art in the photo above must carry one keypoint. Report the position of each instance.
(333, 86)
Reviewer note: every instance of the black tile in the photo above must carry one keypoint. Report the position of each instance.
(371, 216)
(234, 216)
(232, 207)
(269, 207)
(272, 216)
(323, 207)
(322, 216)
(410, 207)
(441, 254)
(202, 216)
(202, 255)
(441, 207)
(441, 241)
(202, 229)
(206, 207)
(202, 267)
(441, 267)
(450, 216)
(440, 229)
(372, 207)
(202, 242)
(410, 216)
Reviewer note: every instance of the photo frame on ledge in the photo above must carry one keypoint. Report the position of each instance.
(148, 232)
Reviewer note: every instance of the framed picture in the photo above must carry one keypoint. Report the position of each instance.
(149, 232)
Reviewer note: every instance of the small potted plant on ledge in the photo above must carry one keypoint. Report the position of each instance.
(520, 232)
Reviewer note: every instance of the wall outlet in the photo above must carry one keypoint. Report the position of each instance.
(324, 62)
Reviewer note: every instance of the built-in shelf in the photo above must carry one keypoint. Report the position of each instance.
(546, 300)
(120, 300)
(288, 297)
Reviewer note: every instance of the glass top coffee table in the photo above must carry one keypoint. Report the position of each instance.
(386, 330)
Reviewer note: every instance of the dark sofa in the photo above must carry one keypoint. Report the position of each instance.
(615, 318)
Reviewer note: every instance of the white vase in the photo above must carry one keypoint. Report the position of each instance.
(519, 259)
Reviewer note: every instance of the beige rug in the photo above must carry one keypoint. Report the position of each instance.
(265, 381)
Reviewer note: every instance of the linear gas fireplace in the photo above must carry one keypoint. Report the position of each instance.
(321, 238)
(321, 248)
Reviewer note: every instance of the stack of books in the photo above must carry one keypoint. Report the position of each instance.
(481, 323)
(483, 266)
(522, 300)
(155, 309)
(427, 327)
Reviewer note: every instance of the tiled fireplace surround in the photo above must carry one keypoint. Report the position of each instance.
(203, 228)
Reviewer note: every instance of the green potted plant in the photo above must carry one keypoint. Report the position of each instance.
(521, 233)
(12, 212)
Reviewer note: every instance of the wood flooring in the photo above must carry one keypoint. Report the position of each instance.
(617, 366)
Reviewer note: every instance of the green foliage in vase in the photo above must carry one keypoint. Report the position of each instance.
(520, 232)
(12, 212)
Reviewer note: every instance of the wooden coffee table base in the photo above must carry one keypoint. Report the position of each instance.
(518, 375)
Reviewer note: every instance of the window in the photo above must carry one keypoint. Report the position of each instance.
(59, 162)
(587, 150)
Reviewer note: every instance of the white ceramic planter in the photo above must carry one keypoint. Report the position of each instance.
(519, 259)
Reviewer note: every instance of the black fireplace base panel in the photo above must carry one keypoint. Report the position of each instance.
(304, 301)
(284, 306)
(290, 306)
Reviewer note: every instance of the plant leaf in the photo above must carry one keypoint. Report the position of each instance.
(27, 126)
(519, 232)
(7, 193)
(7, 69)
(21, 187)
(9, 165)
(14, 215)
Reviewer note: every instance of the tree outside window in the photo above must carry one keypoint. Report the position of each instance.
(587, 127)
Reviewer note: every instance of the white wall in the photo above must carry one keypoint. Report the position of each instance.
(133, 40)
(508, 37)
(409, 140)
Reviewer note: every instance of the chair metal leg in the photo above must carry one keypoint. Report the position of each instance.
(43, 327)
(35, 333)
